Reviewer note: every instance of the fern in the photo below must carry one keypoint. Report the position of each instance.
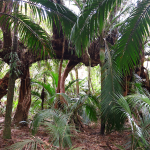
(140, 127)
(57, 126)
(33, 144)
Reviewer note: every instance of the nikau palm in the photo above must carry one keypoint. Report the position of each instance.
(74, 34)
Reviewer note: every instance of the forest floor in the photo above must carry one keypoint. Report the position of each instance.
(88, 139)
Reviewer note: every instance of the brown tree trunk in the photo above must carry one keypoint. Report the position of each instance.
(77, 82)
(24, 101)
(43, 95)
(72, 79)
(71, 64)
(11, 85)
(10, 95)
(5, 7)
(102, 130)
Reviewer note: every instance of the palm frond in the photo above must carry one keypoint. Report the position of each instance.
(30, 33)
(57, 124)
(133, 33)
(91, 112)
(111, 84)
(70, 83)
(52, 12)
(32, 144)
(90, 22)
(139, 135)
(49, 89)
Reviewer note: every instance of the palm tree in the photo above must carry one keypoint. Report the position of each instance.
(11, 83)
(85, 29)
(126, 51)
(34, 37)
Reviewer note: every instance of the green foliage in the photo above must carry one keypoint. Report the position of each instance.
(136, 108)
(33, 144)
(51, 12)
(50, 91)
(93, 107)
(133, 31)
(111, 84)
(57, 124)
(70, 83)
(139, 126)
(1, 64)
(30, 33)
(90, 22)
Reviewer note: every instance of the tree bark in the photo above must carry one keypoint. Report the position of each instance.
(24, 101)
(77, 82)
(42, 97)
(72, 79)
(71, 64)
(10, 95)
(89, 72)
(11, 85)
(102, 130)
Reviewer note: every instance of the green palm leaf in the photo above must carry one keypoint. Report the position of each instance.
(50, 91)
(30, 33)
(32, 144)
(111, 84)
(53, 13)
(90, 22)
(133, 33)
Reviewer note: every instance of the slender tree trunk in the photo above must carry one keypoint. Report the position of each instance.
(24, 101)
(102, 131)
(71, 64)
(77, 82)
(11, 85)
(71, 75)
(59, 103)
(10, 95)
(59, 76)
(89, 72)
(43, 96)
(102, 57)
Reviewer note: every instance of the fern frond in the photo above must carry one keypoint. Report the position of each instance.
(33, 144)
(58, 125)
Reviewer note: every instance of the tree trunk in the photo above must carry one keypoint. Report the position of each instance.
(43, 95)
(77, 82)
(10, 95)
(24, 98)
(72, 79)
(11, 85)
(71, 64)
(102, 131)
(89, 72)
